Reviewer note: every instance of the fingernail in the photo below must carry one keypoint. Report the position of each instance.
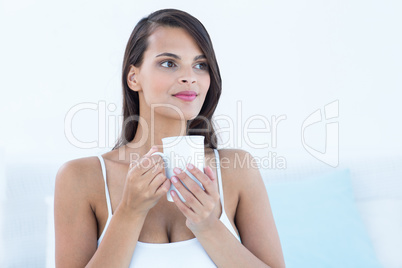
(177, 170)
(174, 179)
(190, 166)
(172, 193)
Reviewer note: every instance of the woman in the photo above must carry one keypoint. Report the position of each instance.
(229, 224)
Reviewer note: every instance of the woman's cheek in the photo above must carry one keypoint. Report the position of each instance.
(206, 82)
(160, 81)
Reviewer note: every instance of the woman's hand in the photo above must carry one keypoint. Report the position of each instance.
(145, 184)
(200, 204)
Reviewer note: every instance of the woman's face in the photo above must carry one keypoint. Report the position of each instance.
(172, 63)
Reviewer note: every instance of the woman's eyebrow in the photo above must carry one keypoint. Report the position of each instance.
(178, 57)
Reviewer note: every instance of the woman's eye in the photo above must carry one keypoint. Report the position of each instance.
(168, 64)
(202, 66)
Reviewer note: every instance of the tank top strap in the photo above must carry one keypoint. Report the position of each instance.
(218, 170)
(109, 206)
(224, 218)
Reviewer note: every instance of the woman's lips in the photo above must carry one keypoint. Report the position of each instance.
(185, 97)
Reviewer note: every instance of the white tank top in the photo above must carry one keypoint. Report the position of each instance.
(188, 253)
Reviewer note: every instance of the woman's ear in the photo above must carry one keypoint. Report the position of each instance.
(132, 79)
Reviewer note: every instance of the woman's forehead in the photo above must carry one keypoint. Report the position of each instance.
(173, 40)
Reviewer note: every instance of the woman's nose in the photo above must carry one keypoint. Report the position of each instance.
(188, 78)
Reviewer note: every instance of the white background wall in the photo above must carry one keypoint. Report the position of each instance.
(276, 57)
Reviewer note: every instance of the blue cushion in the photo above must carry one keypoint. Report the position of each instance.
(319, 224)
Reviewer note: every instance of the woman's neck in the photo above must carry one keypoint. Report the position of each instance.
(149, 134)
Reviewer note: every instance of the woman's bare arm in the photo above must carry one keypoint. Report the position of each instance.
(254, 218)
(260, 245)
(76, 225)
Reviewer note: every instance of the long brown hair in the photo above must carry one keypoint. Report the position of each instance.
(137, 45)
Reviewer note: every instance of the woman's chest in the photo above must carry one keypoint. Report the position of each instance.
(164, 222)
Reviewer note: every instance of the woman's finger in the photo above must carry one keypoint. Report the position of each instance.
(163, 188)
(182, 206)
(208, 179)
(191, 200)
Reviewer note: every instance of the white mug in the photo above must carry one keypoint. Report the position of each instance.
(178, 151)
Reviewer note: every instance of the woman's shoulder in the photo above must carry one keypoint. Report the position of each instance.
(237, 164)
(233, 152)
(240, 167)
(236, 159)
(82, 166)
(79, 173)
